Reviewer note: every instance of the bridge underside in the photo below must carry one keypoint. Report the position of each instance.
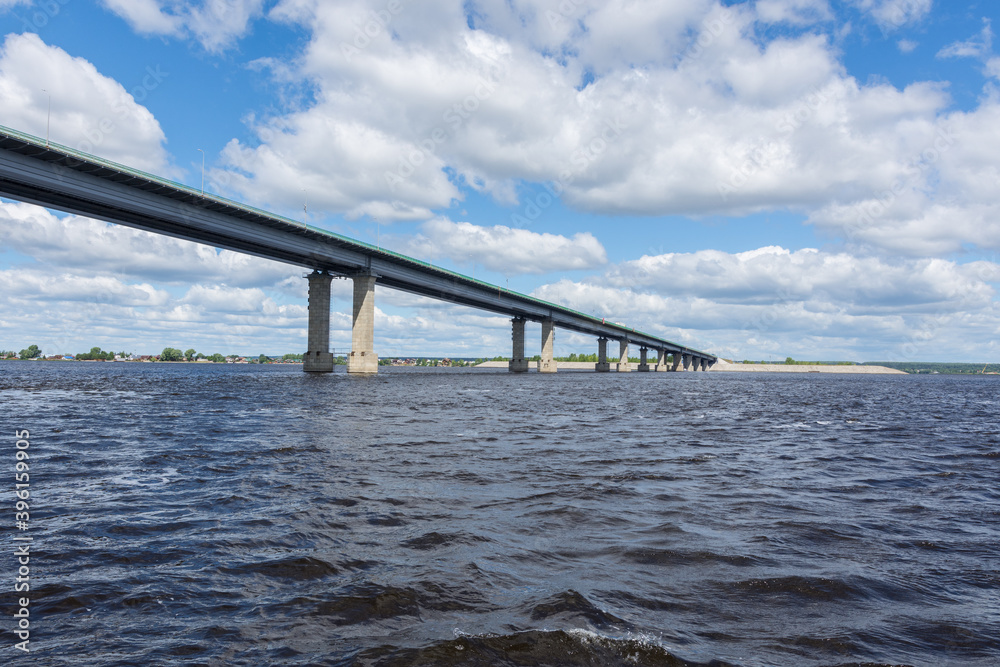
(57, 177)
(364, 360)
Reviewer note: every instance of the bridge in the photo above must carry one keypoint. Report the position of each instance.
(36, 171)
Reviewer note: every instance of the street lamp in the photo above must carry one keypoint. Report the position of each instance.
(202, 172)
(48, 119)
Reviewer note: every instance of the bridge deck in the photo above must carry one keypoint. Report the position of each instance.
(58, 177)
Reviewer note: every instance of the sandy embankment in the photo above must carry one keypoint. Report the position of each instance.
(725, 367)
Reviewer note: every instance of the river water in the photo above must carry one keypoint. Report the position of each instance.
(247, 515)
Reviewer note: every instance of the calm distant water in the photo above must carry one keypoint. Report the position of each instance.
(242, 515)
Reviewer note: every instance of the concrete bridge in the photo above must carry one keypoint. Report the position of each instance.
(36, 171)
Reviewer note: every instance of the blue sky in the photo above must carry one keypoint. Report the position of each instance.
(758, 179)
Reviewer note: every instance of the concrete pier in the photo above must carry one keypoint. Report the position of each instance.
(676, 365)
(547, 364)
(318, 358)
(686, 361)
(661, 362)
(623, 365)
(602, 356)
(643, 360)
(363, 358)
(517, 364)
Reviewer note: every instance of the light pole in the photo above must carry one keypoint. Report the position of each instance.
(48, 119)
(202, 172)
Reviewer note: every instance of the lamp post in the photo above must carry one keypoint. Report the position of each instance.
(202, 172)
(48, 119)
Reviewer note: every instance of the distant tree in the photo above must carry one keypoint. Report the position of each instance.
(789, 361)
(217, 358)
(95, 354)
(189, 355)
(171, 354)
(263, 359)
(31, 352)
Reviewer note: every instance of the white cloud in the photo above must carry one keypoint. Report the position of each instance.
(796, 12)
(806, 302)
(907, 45)
(89, 111)
(773, 274)
(894, 14)
(84, 244)
(146, 16)
(506, 250)
(705, 119)
(979, 46)
(7, 4)
(216, 24)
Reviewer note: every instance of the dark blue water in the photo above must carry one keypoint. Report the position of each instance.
(228, 515)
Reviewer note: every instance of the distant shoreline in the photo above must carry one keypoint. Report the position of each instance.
(724, 367)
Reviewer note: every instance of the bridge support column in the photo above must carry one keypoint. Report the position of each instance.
(686, 361)
(602, 356)
(547, 364)
(643, 360)
(363, 358)
(318, 358)
(518, 364)
(676, 364)
(623, 365)
(661, 361)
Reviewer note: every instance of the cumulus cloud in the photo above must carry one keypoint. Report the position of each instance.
(506, 250)
(771, 274)
(413, 111)
(979, 46)
(80, 243)
(146, 16)
(799, 303)
(215, 24)
(796, 12)
(894, 14)
(89, 111)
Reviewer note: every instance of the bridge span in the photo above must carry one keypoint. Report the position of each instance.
(57, 177)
